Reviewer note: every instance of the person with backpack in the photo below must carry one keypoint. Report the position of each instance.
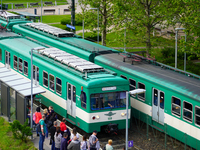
(45, 112)
(93, 140)
(42, 132)
(36, 118)
(84, 143)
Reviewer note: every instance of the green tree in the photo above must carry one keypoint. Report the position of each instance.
(189, 17)
(105, 15)
(141, 16)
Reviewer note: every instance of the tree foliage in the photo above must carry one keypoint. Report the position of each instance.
(189, 17)
(105, 15)
(20, 131)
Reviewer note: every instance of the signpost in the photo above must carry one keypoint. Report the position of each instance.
(70, 26)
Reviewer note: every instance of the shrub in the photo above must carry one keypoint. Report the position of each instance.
(20, 131)
(90, 36)
(65, 21)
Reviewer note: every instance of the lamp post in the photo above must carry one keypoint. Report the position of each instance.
(176, 48)
(97, 21)
(137, 91)
(38, 48)
(41, 10)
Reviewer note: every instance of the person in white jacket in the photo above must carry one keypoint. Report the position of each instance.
(58, 137)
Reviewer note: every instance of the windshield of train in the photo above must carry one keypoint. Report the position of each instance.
(108, 100)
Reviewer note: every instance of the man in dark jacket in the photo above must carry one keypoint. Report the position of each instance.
(74, 145)
(64, 142)
(52, 132)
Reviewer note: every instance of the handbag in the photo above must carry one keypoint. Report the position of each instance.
(86, 145)
(49, 124)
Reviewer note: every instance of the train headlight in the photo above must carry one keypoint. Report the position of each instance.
(93, 117)
(97, 117)
(123, 114)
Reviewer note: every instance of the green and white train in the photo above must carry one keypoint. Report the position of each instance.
(62, 75)
(172, 100)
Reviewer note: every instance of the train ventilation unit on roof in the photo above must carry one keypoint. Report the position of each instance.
(51, 30)
(7, 15)
(70, 60)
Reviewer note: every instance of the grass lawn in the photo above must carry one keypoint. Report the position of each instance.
(54, 18)
(7, 142)
(58, 18)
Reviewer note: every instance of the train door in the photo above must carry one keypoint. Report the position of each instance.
(158, 106)
(7, 59)
(35, 75)
(71, 100)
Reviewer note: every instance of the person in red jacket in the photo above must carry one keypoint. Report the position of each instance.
(63, 127)
(38, 116)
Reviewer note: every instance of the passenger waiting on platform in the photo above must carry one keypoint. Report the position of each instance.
(38, 116)
(74, 133)
(52, 133)
(74, 145)
(93, 140)
(108, 146)
(45, 112)
(51, 111)
(42, 133)
(63, 127)
(64, 142)
(58, 137)
(84, 143)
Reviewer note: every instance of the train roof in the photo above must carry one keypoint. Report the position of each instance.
(71, 39)
(74, 70)
(155, 73)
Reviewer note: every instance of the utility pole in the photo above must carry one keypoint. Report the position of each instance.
(73, 14)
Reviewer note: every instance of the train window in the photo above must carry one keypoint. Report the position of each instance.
(197, 115)
(162, 100)
(176, 106)
(108, 100)
(69, 91)
(142, 95)
(132, 84)
(155, 98)
(51, 82)
(7, 55)
(25, 67)
(0, 54)
(58, 86)
(15, 62)
(187, 111)
(83, 99)
(123, 77)
(36, 72)
(45, 78)
(20, 65)
(74, 94)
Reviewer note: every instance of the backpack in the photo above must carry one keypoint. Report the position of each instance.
(34, 117)
(104, 148)
(38, 127)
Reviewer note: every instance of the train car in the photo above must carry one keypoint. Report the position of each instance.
(172, 100)
(88, 95)
(9, 19)
(62, 39)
